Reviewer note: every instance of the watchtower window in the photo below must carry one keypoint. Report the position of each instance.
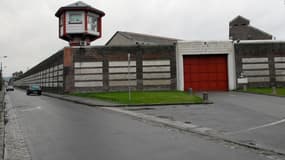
(92, 23)
(75, 18)
(61, 21)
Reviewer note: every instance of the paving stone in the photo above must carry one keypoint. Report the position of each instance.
(16, 146)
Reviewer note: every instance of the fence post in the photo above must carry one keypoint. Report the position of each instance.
(205, 97)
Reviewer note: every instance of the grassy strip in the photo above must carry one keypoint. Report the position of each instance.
(267, 91)
(147, 97)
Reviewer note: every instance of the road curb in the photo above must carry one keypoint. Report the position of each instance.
(117, 105)
(75, 101)
(203, 131)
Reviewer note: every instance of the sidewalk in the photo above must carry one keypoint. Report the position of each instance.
(211, 120)
(15, 144)
(2, 125)
(85, 101)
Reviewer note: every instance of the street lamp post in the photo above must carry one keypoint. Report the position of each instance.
(1, 61)
(2, 57)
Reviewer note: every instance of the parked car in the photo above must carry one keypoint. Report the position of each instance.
(10, 88)
(34, 89)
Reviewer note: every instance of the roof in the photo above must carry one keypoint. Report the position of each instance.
(259, 30)
(79, 5)
(240, 18)
(139, 38)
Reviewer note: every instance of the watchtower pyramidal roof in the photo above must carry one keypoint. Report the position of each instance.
(79, 5)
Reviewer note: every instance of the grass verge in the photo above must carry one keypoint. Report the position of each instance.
(267, 91)
(147, 97)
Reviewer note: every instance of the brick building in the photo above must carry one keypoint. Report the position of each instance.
(103, 68)
(240, 29)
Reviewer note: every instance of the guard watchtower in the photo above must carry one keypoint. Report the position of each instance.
(79, 23)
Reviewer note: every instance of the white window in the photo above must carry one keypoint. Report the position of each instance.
(61, 24)
(75, 18)
(92, 23)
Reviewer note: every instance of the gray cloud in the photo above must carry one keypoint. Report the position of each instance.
(29, 32)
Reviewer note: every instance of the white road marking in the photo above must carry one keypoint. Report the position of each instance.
(257, 127)
(31, 109)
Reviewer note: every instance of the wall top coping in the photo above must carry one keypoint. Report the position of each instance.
(131, 46)
(209, 41)
(258, 41)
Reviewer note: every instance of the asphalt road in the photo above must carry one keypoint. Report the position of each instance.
(248, 118)
(56, 129)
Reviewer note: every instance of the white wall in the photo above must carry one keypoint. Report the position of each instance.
(205, 48)
(49, 77)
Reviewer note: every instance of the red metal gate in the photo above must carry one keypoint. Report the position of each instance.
(206, 72)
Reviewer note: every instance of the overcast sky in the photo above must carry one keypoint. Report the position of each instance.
(29, 29)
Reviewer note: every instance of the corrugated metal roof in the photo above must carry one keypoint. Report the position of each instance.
(144, 38)
(259, 30)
